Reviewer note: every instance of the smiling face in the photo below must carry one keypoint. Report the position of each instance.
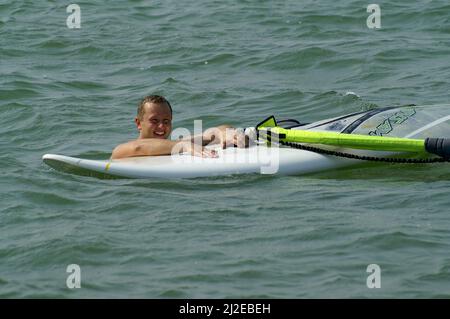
(156, 122)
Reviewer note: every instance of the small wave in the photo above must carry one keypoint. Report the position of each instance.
(304, 58)
(17, 94)
(396, 240)
(82, 85)
(351, 93)
(53, 44)
(47, 198)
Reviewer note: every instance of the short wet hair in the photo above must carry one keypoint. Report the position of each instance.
(156, 99)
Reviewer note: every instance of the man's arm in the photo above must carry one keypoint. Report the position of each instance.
(155, 146)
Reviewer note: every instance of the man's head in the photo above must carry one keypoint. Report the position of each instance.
(154, 117)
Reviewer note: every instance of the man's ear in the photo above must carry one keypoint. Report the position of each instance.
(138, 123)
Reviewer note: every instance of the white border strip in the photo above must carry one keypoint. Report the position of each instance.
(426, 127)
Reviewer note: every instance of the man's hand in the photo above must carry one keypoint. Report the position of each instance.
(198, 150)
(232, 137)
(224, 135)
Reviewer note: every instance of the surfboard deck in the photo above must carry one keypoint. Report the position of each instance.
(255, 159)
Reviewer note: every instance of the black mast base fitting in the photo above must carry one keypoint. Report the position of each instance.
(438, 146)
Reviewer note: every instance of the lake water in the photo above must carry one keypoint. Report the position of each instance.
(75, 92)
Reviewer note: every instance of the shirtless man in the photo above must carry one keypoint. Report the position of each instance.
(154, 122)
